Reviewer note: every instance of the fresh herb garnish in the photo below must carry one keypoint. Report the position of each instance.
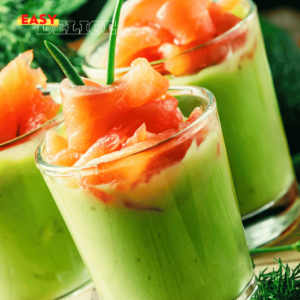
(295, 247)
(112, 43)
(283, 284)
(70, 71)
(64, 64)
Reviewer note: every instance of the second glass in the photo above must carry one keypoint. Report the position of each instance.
(235, 68)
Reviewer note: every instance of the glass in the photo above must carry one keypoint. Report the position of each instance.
(38, 258)
(235, 68)
(165, 222)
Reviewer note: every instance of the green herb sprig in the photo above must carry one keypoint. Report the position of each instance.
(283, 284)
(112, 43)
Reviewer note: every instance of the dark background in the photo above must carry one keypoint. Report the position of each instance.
(262, 4)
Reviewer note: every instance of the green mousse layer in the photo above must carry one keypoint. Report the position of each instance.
(38, 258)
(189, 245)
(255, 141)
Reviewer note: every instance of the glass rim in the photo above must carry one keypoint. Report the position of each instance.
(56, 119)
(63, 171)
(87, 66)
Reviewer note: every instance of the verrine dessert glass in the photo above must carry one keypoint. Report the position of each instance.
(235, 68)
(38, 258)
(166, 224)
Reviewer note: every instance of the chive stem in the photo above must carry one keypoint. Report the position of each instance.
(64, 64)
(112, 43)
(295, 247)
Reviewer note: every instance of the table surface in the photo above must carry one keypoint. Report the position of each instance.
(261, 261)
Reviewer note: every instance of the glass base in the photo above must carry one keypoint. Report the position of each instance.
(248, 291)
(78, 291)
(274, 221)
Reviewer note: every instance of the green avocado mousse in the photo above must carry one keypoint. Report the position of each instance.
(224, 53)
(145, 189)
(38, 258)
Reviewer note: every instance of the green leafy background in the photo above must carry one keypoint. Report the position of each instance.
(15, 39)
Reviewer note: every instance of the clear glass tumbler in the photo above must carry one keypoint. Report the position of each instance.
(162, 222)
